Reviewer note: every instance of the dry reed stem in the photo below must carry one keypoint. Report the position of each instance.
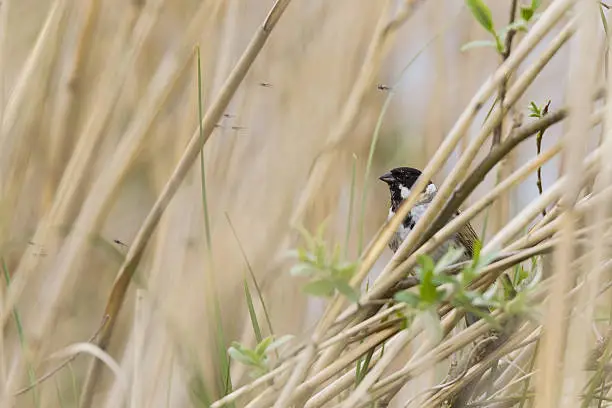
(99, 354)
(427, 356)
(36, 69)
(386, 386)
(525, 334)
(3, 31)
(52, 372)
(21, 117)
(394, 347)
(140, 326)
(551, 386)
(264, 379)
(213, 114)
(66, 113)
(520, 221)
(515, 371)
(339, 385)
(111, 88)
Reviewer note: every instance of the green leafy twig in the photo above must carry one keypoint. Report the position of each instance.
(537, 112)
(258, 359)
(497, 132)
(437, 288)
(502, 38)
(328, 274)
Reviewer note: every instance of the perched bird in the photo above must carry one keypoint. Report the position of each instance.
(400, 181)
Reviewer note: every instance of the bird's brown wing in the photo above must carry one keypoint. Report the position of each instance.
(467, 237)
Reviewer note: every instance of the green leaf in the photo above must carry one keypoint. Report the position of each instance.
(252, 313)
(254, 359)
(443, 278)
(321, 230)
(408, 297)
(336, 255)
(345, 270)
(508, 289)
(482, 14)
(262, 347)
(535, 110)
(303, 255)
(535, 4)
(426, 264)
(237, 353)
(427, 289)
(476, 250)
(499, 43)
(478, 44)
(527, 13)
(310, 243)
(344, 288)
(302, 269)
(320, 288)
(321, 256)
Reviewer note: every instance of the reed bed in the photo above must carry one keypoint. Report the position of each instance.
(168, 167)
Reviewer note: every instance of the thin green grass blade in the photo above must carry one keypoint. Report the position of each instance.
(252, 314)
(22, 340)
(224, 360)
(351, 205)
(75, 389)
(60, 399)
(252, 273)
(365, 366)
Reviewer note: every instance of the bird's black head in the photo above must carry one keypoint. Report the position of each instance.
(400, 181)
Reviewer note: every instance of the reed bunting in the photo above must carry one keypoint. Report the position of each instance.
(400, 181)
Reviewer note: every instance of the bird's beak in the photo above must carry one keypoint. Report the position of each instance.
(387, 178)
